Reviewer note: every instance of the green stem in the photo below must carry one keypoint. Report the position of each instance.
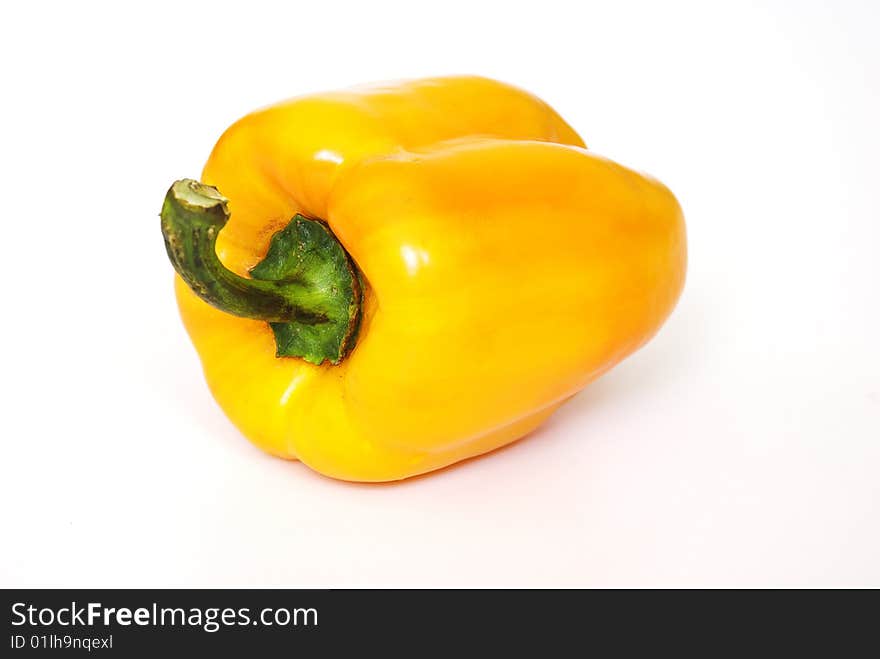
(306, 287)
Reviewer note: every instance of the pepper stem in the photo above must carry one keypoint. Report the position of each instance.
(307, 286)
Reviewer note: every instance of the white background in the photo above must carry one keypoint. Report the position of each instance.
(739, 448)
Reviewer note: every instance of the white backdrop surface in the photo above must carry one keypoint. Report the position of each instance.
(741, 447)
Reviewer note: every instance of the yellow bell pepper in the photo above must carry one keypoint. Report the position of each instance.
(415, 273)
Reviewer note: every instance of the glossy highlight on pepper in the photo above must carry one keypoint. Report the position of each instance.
(387, 280)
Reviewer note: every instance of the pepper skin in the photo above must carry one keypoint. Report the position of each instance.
(503, 267)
